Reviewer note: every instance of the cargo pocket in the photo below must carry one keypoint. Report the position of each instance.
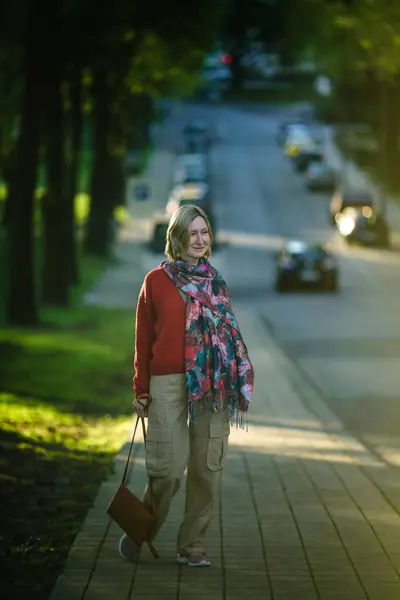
(217, 446)
(158, 452)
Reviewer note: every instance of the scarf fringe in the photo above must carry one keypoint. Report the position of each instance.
(228, 404)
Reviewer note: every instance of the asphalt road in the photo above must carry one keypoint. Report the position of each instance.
(348, 344)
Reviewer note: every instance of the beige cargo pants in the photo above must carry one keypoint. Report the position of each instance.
(173, 445)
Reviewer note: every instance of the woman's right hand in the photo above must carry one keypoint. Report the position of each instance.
(141, 405)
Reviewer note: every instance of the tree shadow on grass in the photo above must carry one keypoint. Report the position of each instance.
(46, 490)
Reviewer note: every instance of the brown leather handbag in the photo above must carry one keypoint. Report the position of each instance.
(130, 513)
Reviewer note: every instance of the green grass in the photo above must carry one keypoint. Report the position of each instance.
(65, 406)
(81, 370)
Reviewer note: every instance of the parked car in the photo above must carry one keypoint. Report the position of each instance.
(351, 198)
(191, 160)
(364, 226)
(320, 177)
(286, 126)
(197, 193)
(197, 137)
(190, 168)
(298, 141)
(300, 264)
(305, 158)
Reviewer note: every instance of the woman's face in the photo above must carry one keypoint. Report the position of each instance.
(199, 241)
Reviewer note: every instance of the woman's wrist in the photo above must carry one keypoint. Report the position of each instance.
(143, 397)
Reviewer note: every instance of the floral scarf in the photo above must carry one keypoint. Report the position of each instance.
(219, 374)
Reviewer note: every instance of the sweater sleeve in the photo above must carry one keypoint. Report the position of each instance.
(143, 340)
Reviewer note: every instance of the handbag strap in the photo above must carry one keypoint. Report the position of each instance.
(125, 474)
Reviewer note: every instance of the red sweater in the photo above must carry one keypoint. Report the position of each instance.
(160, 330)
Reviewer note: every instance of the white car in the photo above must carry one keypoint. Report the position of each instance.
(190, 168)
(299, 139)
(196, 193)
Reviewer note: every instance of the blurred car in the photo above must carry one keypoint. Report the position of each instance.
(298, 141)
(197, 193)
(190, 168)
(300, 264)
(286, 126)
(191, 160)
(364, 226)
(320, 177)
(216, 72)
(351, 198)
(197, 137)
(190, 174)
(305, 157)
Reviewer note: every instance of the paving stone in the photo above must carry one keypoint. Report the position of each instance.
(195, 595)
(105, 592)
(289, 588)
(205, 583)
(243, 563)
(343, 593)
(69, 586)
(240, 594)
(150, 589)
(382, 590)
(138, 595)
(81, 557)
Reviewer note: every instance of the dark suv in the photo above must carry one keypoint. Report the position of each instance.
(343, 199)
(300, 264)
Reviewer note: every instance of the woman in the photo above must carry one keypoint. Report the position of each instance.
(191, 364)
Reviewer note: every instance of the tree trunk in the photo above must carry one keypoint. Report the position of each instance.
(117, 181)
(391, 122)
(57, 217)
(73, 164)
(21, 296)
(56, 222)
(100, 226)
(143, 112)
(8, 173)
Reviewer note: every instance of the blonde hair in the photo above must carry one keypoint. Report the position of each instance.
(178, 232)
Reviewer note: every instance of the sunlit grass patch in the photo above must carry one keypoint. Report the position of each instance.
(38, 423)
(81, 364)
(81, 207)
(52, 465)
(82, 210)
(65, 410)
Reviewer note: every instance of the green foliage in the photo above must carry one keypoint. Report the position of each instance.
(155, 67)
(78, 363)
(374, 26)
(348, 37)
(65, 406)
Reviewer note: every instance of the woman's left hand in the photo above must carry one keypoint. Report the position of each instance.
(141, 406)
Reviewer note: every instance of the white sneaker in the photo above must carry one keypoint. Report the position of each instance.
(193, 560)
(128, 549)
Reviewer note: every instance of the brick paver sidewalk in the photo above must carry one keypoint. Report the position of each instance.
(306, 511)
